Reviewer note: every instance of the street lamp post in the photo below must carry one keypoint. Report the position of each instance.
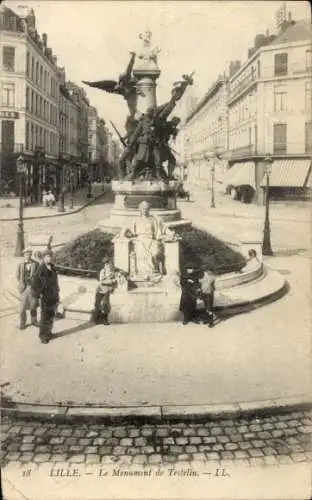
(266, 244)
(61, 207)
(210, 159)
(71, 189)
(20, 244)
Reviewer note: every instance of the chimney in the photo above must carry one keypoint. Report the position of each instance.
(44, 39)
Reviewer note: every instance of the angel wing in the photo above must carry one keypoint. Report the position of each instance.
(107, 85)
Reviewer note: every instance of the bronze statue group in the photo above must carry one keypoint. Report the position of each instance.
(147, 139)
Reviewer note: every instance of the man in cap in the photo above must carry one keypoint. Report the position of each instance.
(28, 300)
(102, 298)
(46, 286)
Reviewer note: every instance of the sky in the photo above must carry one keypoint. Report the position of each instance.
(92, 39)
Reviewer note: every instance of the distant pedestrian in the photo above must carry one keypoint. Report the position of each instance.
(207, 289)
(105, 288)
(188, 300)
(28, 298)
(46, 286)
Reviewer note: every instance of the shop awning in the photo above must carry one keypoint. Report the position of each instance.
(241, 174)
(288, 173)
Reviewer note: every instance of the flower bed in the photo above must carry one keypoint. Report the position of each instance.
(83, 256)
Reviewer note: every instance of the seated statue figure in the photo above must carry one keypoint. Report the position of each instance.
(147, 246)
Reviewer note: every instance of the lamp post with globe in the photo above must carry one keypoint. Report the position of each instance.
(266, 244)
(20, 244)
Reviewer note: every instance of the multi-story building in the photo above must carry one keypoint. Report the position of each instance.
(98, 146)
(29, 101)
(79, 97)
(269, 106)
(205, 134)
(68, 129)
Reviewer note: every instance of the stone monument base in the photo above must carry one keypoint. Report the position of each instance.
(160, 195)
(146, 304)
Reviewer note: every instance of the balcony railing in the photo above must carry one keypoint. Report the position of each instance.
(243, 151)
(246, 82)
(280, 148)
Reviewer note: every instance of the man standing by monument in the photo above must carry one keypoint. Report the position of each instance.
(45, 284)
(28, 299)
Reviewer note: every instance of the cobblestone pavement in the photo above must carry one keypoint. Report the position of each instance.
(271, 440)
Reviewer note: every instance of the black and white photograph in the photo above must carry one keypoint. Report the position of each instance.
(155, 249)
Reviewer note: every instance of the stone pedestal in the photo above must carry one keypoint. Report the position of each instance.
(146, 87)
(121, 253)
(172, 257)
(129, 194)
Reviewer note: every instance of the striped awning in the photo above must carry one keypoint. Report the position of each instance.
(241, 174)
(288, 173)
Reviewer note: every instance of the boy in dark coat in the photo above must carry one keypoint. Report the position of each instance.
(45, 284)
(189, 287)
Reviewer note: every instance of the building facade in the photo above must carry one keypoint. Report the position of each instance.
(269, 108)
(205, 134)
(80, 173)
(262, 107)
(68, 130)
(29, 101)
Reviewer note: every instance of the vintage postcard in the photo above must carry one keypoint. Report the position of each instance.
(155, 236)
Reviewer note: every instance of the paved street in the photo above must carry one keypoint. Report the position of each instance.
(249, 357)
(277, 439)
(231, 220)
(63, 228)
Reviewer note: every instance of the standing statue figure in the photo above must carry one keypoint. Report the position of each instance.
(148, 55)
(146, 235)
(169, 130)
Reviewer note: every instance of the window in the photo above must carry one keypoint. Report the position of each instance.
(32, 137)
(308, 137)
(28, 64)
(32, 102)
(258, 69)
(37, 73)
(308, 95)
(280, 98)
(280, 138)
(27, 98)
(37, 135)
(32, 69)
(281, 64)
(8, 94)
(309, 60)
(27, 136)
(41, 76)
(37, 105)
(45, 81)
(8, 58)
(7, 132)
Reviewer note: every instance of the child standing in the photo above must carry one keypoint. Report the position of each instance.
(207, 289)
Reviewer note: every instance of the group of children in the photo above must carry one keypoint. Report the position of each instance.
(195, 284)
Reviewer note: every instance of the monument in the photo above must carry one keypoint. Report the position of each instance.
(144, 216)
(141, 175)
